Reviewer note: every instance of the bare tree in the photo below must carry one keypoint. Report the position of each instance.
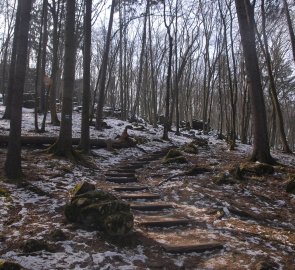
(245, 12)
(63, 146)
(13, 159)
(103, 71)
(85, 140)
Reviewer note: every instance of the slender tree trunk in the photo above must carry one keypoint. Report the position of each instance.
(43, 60)
(153, 84)
(104, 66)
(85, 140)
(273, 91)
(13, 159)
(8, 103)
(168, 87)
(141, 63)
(245, 12)
(55, 11)
(63, 146)
(290, 27)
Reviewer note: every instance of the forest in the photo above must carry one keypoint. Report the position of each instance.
(147, 134)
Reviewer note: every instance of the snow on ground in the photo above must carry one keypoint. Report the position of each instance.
(266, 232)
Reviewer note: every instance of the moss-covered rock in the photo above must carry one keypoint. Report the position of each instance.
(173, 153)
(33, 245)
(57, 235)
(9, 265)
(100, 210)
(4, 192)
(290, 188)
(82, 187)
(223, 179)
(190, 148)
(202, 142)
(266, 265)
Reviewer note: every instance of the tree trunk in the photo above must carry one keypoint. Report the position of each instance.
(261, 151)
(141, 63)
(85, 140)
(13, 159)
(290, 27)
(8, 103)
(104, 66)
(273, 91)
(55, 11)
(63, 145)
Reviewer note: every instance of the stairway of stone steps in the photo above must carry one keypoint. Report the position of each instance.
(151, 212)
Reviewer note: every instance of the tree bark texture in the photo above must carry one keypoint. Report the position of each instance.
(64, 142)
(245, 12)
(85, 141)
(103, 75)
(13, 159)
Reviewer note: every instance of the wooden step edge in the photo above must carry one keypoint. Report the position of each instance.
(149, 206)
(121, 180)
(130, 188)
(139, 196)
(116, 174)
(197, 247)
(165, 223)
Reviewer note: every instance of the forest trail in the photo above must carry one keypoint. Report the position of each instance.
(151, 211)
(253, 219)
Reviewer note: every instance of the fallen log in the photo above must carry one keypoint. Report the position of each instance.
(95, 143)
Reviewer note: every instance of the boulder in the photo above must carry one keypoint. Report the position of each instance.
(202, 142)
(100, 210)
(190, 148)
(34, 245)
(9, 265)
(173, 153)
(267, 265)
(82, 187)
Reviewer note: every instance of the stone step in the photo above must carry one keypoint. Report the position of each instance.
(130, 188)
(139, 196)
(195, 247)
(150, 206)
(119, 174)
(163, 221)
(121, 180)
